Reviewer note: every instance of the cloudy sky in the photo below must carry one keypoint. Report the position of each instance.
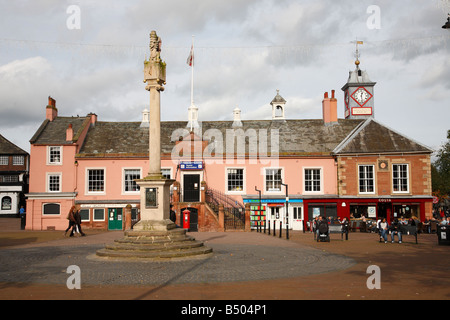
(88, 55)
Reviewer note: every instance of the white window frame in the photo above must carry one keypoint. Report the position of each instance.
(321, 191)
(4, 160)
(87, 181)
(18, 160)
(124, 180)
(407, 178)
(54, 174)
(170, 170)
(366, 179)
(49, 151)
(243, 191)
(265, 181)
(93, 214)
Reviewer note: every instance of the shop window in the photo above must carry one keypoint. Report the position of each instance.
(358, 211)
(406, 211)
(6, 203)
(328, 210)
(99, 214)
(51, 208)
(84, 213)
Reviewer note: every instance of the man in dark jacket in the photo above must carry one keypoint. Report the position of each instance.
(395, 230)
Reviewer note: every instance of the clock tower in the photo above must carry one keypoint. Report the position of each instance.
(358, 94)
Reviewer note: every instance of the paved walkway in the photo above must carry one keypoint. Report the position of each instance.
(243, 266)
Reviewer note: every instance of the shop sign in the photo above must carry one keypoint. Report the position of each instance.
(384, 200)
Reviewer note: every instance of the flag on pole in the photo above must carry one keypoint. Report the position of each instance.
(190, 59)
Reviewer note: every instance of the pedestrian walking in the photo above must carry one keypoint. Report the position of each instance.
(72, 221)
(77, 217)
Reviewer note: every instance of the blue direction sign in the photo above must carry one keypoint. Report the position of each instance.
(191, 165)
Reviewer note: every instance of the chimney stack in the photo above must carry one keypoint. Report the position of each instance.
(69, 133)
(329, 109)
(51, 112)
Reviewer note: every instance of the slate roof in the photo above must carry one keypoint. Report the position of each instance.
(54, 132)
(309, 137)
(373, 137)
(9, 148)
(296, 137)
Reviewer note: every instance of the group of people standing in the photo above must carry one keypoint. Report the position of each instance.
(74, 218)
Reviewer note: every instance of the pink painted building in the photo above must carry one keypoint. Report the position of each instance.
(278, 170)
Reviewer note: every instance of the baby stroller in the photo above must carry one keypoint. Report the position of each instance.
(323, 232)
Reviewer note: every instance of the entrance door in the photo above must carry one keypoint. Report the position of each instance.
(115, 219)
(191, 187)
(296, 216)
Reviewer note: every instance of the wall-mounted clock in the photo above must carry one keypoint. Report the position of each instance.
(361, 96)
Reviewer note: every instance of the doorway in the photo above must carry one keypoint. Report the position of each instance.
(115, 219)
(191, 187)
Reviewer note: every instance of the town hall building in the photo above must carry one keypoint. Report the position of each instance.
(232, 174)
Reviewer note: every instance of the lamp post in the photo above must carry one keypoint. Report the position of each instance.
(287, 210)
(259, 191)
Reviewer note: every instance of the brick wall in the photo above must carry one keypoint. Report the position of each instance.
(419, 174)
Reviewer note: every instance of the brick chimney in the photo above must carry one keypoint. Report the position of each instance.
(93, 118)
(51, 112)
(329, 109)
(69, 133)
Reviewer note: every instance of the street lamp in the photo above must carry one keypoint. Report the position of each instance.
(287, 210)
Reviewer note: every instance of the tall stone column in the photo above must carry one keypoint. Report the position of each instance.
(155, 236)
(155, 192)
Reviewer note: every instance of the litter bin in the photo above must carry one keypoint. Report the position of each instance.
(443, 233)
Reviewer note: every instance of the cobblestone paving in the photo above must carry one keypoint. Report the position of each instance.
(228, 263)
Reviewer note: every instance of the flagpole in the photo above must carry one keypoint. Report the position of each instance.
(192, 74)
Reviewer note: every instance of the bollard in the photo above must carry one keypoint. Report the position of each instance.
(264, 226)
(274, 232)
(269, 228)
(280, 229)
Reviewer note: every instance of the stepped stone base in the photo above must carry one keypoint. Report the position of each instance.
(161, 240)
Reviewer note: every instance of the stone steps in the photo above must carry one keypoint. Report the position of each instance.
(166, 254)
(155, 244)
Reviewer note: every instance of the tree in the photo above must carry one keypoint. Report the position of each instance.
(440, 170)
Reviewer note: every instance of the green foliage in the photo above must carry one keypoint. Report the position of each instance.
(440, 169)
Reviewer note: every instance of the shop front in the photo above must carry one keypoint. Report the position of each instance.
(273, 211)
(370, 208)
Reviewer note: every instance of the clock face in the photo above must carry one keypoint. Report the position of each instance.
(361, 95)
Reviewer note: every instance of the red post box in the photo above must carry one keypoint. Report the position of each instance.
(186, 218)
